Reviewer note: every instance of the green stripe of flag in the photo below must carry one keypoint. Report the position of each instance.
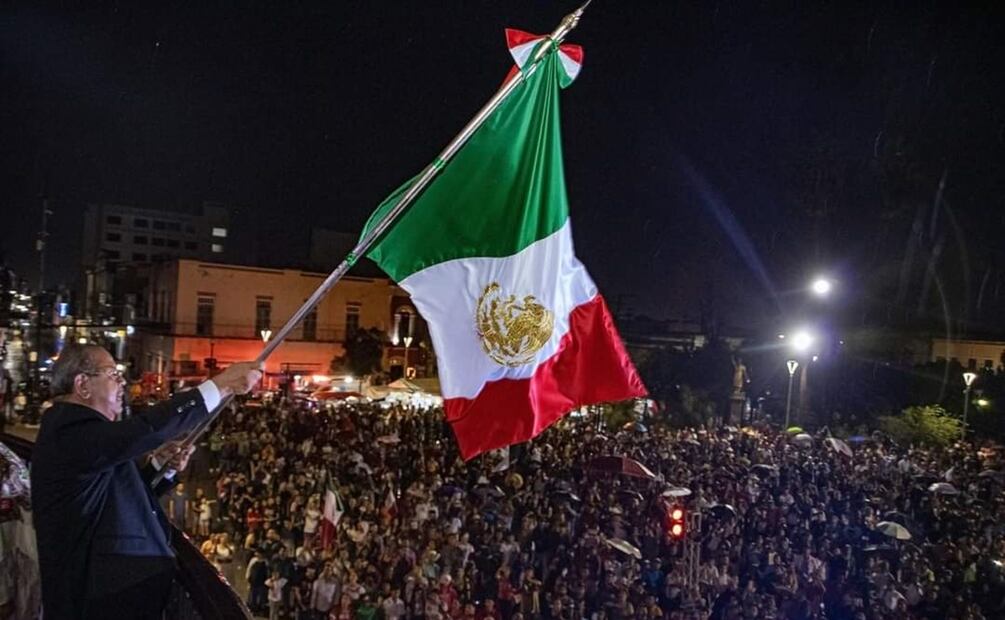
(504, 190)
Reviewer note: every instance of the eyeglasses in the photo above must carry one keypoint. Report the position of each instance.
(111, 372)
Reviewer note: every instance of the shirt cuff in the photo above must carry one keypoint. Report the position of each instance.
(210, 394)
(158, 465)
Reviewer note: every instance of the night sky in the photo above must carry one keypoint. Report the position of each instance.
(717, 153)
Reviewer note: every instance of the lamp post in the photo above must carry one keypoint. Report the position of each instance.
(968, 379)
(265, 334)
(408, 342)
(792, 366)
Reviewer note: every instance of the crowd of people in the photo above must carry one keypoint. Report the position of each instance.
(787, 529)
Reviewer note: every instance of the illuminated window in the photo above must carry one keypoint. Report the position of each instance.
(204, 316)
(220, 232)
(310, 325)
(263, 314)
(217, 248)
(352, 309)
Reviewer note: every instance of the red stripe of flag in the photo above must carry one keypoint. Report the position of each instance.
(591, 366)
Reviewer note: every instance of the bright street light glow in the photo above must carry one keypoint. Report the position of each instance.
(821, 287)
(802, 340)
(968, 378)
(982, 402)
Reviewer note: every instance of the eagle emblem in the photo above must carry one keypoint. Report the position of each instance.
(512, 331)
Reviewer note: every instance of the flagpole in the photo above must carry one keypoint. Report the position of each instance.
(568, 23)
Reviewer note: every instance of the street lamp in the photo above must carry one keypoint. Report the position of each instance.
(968, 379)
(821, 287)
(802, 341)
(266, 334)
(408, 342)
(792, 366)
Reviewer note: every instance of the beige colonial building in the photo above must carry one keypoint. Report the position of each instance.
(204, 314)
(972, 354)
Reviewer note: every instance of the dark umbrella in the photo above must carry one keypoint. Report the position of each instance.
(490, 491)
(884, 550)
(722, 511)
(621, 465)
(448, 490)
(569, 495)
(897, 517)
(762, 469)
(632, 494)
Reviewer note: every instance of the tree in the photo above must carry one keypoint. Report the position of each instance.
(616, 415)
(695, 407)
(928, 425)
(364, 351)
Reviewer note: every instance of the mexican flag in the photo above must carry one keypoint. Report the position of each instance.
(521, 333)
(390, 508)
(331, 512)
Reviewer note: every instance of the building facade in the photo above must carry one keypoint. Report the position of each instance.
(120, 243)
(971, 354)
(205, 315)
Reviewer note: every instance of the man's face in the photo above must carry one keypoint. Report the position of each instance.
(102, 387)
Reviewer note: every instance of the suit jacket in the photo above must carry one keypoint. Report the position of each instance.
(99, 527)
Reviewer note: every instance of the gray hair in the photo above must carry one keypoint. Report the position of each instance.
(73, 360)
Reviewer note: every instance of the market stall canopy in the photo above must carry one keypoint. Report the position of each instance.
(429, 385)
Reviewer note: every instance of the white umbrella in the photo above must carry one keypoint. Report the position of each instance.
(893, 530)
(624, 546)
(839, 446)
(803, 440)
(677, 492)
(943, 488)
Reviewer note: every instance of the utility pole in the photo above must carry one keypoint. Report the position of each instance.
(43, 234)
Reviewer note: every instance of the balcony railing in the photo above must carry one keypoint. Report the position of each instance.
(199, 592)
(243, 330)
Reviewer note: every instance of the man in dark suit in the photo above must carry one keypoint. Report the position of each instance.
(102, 541)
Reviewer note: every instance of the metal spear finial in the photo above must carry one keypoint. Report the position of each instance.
(568, 23)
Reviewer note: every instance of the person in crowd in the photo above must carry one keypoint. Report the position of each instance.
(103, 548)
(256, 576)
(275, 585)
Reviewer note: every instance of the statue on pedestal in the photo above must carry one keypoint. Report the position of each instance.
(740, 377)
